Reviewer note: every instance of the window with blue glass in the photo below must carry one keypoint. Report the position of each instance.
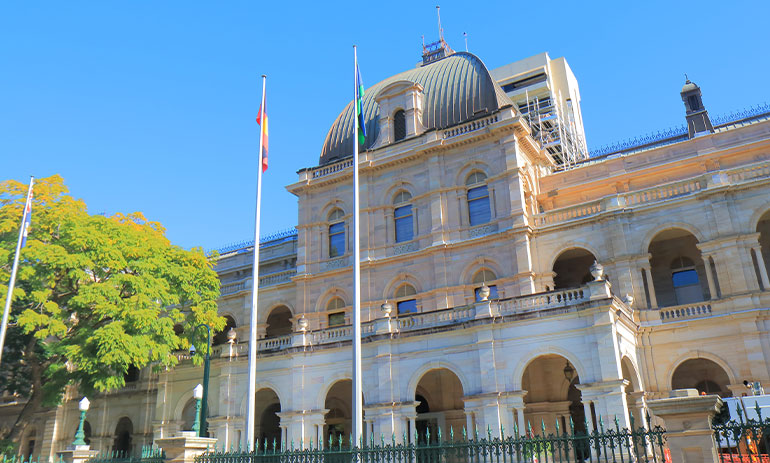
(684, 279)
(405, 300)
(478, 199)
(403, 218)
(336, 234)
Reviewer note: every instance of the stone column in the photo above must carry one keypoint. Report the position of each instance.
(710, 277)
(184, 447)
(762, 268)
(687, 418)
(301, 426)
(486, 409)
(389, 419)
(650, 286)
(609, 399)
(510, 403)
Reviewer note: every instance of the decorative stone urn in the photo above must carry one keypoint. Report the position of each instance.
(597, 271)
(629, 300)
(484, 292)
(387, 309)
(302, 323)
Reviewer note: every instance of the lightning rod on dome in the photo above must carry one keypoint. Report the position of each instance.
(440, 30)
(465, 36)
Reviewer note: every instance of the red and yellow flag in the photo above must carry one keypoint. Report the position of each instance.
(263, 128)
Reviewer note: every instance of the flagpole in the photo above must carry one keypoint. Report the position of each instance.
(7, 310)
(358, 413)
(252, 393)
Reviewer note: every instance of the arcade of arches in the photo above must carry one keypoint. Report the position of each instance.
(678, 272)
(278, 322)
(572, 268)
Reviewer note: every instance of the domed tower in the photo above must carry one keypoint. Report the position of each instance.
(698, 121)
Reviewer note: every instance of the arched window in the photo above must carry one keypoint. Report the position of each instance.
(221, 336)
(131, 375)
(336, 314)
(684, 278)
(336, 233)
(399, 125)
(403, 217)
(484, 276)
(405, 300)
(478, 199)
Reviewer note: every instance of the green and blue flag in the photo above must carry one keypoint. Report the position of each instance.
(360, 107)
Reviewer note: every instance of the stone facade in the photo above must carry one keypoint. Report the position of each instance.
(680, 299)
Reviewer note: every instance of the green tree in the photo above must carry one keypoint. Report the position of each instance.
(94, 297)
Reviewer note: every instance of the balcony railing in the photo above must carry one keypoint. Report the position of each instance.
(680, 312)
(655, 194)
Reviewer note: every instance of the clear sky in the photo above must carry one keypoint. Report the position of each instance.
(150, 106)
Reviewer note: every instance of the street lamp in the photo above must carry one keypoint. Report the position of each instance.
(80, 435)
(204, 398)
(197, 395)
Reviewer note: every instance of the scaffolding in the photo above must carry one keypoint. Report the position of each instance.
(555, 129)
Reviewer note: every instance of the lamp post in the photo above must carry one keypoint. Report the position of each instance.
(80, 435)
(197, 395)
(204, 398)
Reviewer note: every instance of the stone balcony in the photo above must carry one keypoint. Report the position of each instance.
(456, 318)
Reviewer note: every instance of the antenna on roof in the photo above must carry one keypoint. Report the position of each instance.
(440, 30)
(465, 35)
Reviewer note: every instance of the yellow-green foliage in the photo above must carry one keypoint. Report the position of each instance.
(100, 294)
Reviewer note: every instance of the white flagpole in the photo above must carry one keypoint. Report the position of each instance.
(358, 412)
(7, 310)
(252, 394)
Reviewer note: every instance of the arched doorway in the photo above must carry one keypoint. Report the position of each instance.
(221, 336)
(678, 271)
(123, 436)
(440, 396)
(572, 268)
(552, 395)
(634, 392)
(702, 374)
(188, 415)
(267, 429)
(338, 423)
(278, 322)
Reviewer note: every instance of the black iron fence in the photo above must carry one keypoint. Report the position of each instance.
(745, 439)
(612, 445)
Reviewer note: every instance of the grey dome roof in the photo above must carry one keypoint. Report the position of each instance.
(688, 86)
(457, 88)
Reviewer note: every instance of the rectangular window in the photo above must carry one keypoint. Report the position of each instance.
(404, 227)
(409, 306)
(337, 319)
(337, 239)
(478, 205)
(492, 293)
(685, 278)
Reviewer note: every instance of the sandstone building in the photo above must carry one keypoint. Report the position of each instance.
(482, 217)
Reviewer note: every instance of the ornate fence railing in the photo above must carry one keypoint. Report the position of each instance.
(614, 445)
(148, 454)
(746, 439)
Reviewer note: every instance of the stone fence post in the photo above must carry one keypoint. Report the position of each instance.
(687, 418)
(185, 447)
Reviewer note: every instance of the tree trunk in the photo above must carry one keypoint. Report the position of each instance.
(35, 400)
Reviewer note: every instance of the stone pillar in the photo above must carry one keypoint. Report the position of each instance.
(762, 268)
(184, 447)
(301, 427)
(77, 454)
(390, 419)
(512, 403)
(710, 277)
(525, 276)
(650, 286)
(609, 399)
(687, 418)
(487, 410)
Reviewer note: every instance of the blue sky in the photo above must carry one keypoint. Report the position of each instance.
(150, 106)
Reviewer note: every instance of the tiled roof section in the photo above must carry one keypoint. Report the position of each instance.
(457, 89)
(677, 134)
(266, 240)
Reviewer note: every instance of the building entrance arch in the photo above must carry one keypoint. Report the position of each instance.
(702, 374)
(439, 394)
(552, 394)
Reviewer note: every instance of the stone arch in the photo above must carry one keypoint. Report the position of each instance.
(123, 436)
(757, 216)
(220, 337)
(326, 296)
(398, 185)
(695, 355)
(479, 263)
(329, 207)
(263, 314)
(553, 395)
(394, 283)
(188, 415)
(440, 394)
(331, 380)
(574, 245)
(414, 380)
(680, 274)
(267, 428)
(572, 267)
(468, 168)
(264, 384)
(184, 399)
(631, 373)
(581, 370)
(651, 234)
(279, 321)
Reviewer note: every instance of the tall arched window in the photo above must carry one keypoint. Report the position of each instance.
(482, 277)
(399, 125)
(405, 300)
(336, 233)
(684, 278)
(478, 199)
(402, 215)
(336, 314)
